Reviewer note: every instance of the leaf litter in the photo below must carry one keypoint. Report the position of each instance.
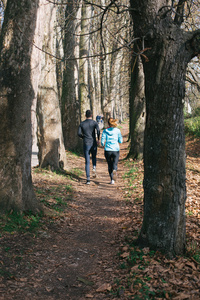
(83, 248)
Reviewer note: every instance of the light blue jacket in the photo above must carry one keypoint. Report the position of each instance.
(111, 137)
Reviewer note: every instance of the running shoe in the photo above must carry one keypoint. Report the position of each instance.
(112, 182)
(94, 174)
(88, 182)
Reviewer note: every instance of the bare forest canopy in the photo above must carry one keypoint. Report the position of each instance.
(100, 14)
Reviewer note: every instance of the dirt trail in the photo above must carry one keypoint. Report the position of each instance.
(76, 255)
(92, 248)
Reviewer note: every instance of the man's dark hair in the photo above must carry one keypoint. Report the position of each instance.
(88, 113)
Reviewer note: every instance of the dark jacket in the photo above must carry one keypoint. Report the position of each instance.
(86, 131)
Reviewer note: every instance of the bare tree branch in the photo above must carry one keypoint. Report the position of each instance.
(180, 12)
(194, 78)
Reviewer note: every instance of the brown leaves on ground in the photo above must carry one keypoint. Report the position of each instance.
(84, 247)
(149, 275)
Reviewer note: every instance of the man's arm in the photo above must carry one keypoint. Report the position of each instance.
(80, 134)
(98, 131)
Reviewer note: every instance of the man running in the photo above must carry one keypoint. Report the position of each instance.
(87, 130)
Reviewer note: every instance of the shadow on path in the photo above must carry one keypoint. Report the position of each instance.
(77, 254)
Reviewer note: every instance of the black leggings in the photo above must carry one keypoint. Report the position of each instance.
(112, 158)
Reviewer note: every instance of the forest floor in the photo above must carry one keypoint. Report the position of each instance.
(83, 248)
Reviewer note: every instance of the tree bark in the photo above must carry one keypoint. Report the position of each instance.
(4, 3)
(83, 66)
(60, 33)
(168, 49)
(50, 138)
(36, 66)
(70, 89)
(137, 110)
(16, 95)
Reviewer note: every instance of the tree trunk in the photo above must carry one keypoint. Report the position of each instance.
(169, 49)
(124, 85)
(164, 157)
(60, 33)
(36, 67)
(70, 100)
(83, 67)
(113, 72)
(50, 138)
(17, 94)
(137, 110)
(2, 10)
(102, 84)
(4, 3)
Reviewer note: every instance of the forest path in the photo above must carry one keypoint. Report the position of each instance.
(91, 238)
(75, 256)
(84, 250)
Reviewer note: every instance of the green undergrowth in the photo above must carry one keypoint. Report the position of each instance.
(133, 180)
(74, 153)
(193, 251)
(192, 124)
(77, 172)
(54, 197)
(20, 222)
(54, 190)
(131, 174)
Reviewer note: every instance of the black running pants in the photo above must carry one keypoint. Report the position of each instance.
(112, 158)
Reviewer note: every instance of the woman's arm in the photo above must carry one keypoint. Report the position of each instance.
(120, 139)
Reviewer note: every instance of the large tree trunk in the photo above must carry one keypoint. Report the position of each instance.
(113, 72)
(60, 33)
(169, 51)
(137, 110)
(36, 69)
(94, 69)
(124, 85)
(4, 3)
(102, 85)
(95, 65)
(83, 66)
(70, 100)
(50, 138)
(16, 90)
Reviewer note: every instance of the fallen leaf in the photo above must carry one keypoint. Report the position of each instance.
(49, 289)
(125, 248)
(104, 287)
(191, 264)
(181, 296)
(125, 254)
(60, 279)
(85, 281)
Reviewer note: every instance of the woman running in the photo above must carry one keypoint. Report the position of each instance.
(111, 137)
